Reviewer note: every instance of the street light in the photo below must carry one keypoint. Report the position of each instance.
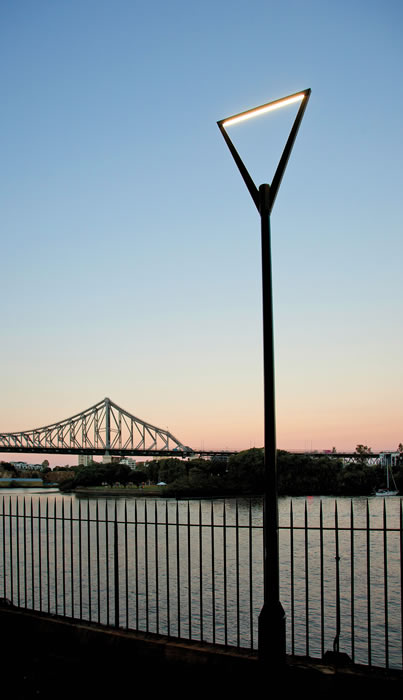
(272, 616)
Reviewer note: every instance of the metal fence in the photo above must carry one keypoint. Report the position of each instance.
(342, 578)
(193, 569)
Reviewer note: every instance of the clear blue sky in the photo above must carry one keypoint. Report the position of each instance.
(130, 245)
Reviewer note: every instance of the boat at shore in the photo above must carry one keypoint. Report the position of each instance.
(388, 491)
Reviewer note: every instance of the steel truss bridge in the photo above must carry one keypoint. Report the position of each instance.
(371, 459)
(102, 429)
(106, 429)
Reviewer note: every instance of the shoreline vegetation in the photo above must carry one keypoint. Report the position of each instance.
(241, 474)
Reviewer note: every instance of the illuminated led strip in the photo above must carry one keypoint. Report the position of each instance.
(263, 109)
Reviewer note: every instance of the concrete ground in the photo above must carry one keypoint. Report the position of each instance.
(44, 656)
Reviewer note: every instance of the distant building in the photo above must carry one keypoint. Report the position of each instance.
(84, 460)
(389, 459)
(129, 461)
(24, 466)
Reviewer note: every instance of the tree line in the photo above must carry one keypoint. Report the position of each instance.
(243, 473)
(297, 475)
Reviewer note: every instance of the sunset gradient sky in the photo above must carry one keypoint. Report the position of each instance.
(130, 245)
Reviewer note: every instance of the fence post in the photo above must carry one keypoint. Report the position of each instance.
(336, 657)
(116, 565)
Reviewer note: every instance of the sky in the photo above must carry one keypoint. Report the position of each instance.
(130, 246)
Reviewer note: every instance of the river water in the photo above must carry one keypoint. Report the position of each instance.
(194, 569)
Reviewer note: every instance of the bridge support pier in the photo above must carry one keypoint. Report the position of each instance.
(84, 460)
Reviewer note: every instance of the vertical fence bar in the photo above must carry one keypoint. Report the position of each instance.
(24, 550)
(292, 578)
(98, 563)
(401, 578)
(178, 587)
(108, 593)
(238, 632)
(39, 555)
(336, 643)
(146, 562)
(4, 568)
(250, 576)
(167, 568)
(201, 572)
(89, 562)
(189, 571)
(72, 557)
(126, 567)
(156, 564)
(32, 556)
(352, 579)
(47, 553)
(3, 537)
(322, 582)
(116, 567)
(225, 574)
(63, 559)
(55, 554)
(23, 555)
(10, 545)
(17, 515)
(306, 580)
(385, 583)
(368, 586)
(80, 563)
(212, 569)
(136, 562)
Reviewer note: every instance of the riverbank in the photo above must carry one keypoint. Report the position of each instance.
(186, 494)
(153, 491)
(157, 492)
(18, 482)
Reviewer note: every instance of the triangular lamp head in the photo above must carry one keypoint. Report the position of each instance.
(298, 97)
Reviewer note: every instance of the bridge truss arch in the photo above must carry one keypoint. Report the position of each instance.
(104, 428)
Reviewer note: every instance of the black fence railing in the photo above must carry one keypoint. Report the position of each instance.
(193, 569)
(342, 578)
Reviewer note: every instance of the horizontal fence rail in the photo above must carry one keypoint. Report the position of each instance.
(194, 569)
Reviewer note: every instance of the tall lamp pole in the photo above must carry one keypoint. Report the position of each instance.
(272, 617)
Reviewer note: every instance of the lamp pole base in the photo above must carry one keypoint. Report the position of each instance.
(271, 631)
